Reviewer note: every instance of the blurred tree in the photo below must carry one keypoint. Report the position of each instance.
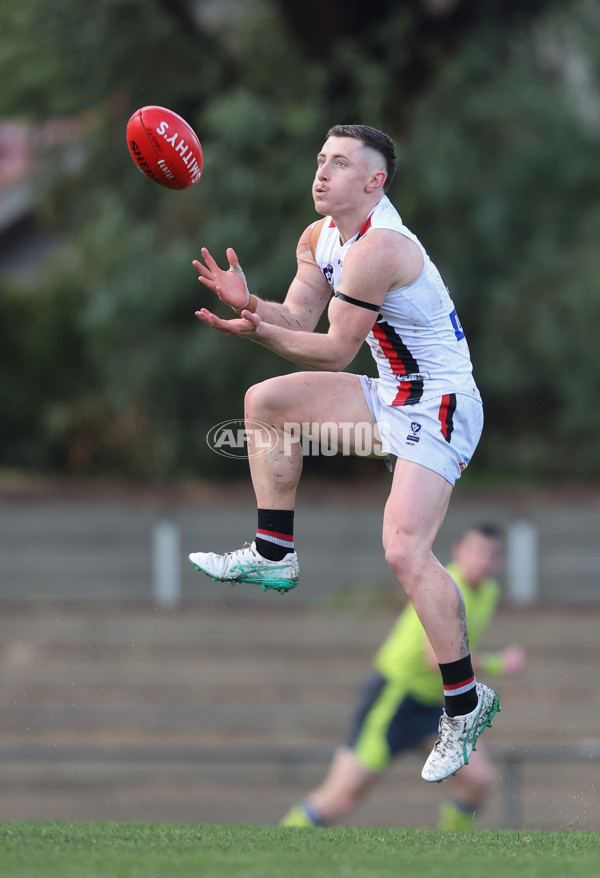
(146, 391)
(516, 224)
(497, 175)
(406, 44)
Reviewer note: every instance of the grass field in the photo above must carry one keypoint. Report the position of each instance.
(136, 850)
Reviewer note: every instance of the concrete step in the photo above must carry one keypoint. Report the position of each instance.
(92, 545)
(212, 714)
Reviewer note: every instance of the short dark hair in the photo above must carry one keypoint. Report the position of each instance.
(374, 138)
(487, 529)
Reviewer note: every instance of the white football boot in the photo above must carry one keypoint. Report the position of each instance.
(246, 565)
(457, 736)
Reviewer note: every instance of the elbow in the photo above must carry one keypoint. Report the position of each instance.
(334, 354)
(341, 357)
(338, 364)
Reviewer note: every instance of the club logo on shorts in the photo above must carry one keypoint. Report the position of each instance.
(412, 437)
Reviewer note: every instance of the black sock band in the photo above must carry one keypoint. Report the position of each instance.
(459, 686)
(275, 533)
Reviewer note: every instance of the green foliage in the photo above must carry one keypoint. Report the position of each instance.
(134, 850)
(515, 228)
(106, 368)
(73, 56)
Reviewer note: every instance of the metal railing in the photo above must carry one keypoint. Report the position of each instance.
(512, 759)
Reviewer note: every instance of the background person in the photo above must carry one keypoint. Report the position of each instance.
(399, 706)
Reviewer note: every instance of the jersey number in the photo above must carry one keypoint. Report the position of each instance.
(458, 330)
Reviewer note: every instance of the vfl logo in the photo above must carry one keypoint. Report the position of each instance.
(328, 272)
(412, 437)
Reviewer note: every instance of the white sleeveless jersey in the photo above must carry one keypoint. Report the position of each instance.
(417, 341)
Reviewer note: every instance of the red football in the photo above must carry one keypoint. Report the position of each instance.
(164, 147)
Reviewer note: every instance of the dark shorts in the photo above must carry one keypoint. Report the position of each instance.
(388, 722)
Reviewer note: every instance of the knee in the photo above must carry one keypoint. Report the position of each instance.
(485, 782)
(478, 782)
(351, 799)
(261, 401)
(402, 556)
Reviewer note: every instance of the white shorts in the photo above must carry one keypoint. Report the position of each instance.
(439, 433)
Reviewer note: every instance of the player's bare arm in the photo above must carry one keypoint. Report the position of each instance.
(381, 261)
(371, 269)
(304, 303)
(381, 258)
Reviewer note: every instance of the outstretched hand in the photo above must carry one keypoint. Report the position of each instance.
(247, 324)
(229, 285)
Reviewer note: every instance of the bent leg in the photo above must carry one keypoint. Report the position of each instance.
(471, 786)
(470, 790)
(345, 786)
(413, 516)
(284, 404)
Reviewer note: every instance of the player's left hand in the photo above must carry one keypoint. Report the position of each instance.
(248, 324)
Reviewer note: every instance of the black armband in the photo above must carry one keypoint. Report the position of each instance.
(369, 305)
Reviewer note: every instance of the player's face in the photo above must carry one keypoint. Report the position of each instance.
(478, 556)
(346, 169)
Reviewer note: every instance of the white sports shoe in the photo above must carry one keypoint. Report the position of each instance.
(246, 565)
(457, 736)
